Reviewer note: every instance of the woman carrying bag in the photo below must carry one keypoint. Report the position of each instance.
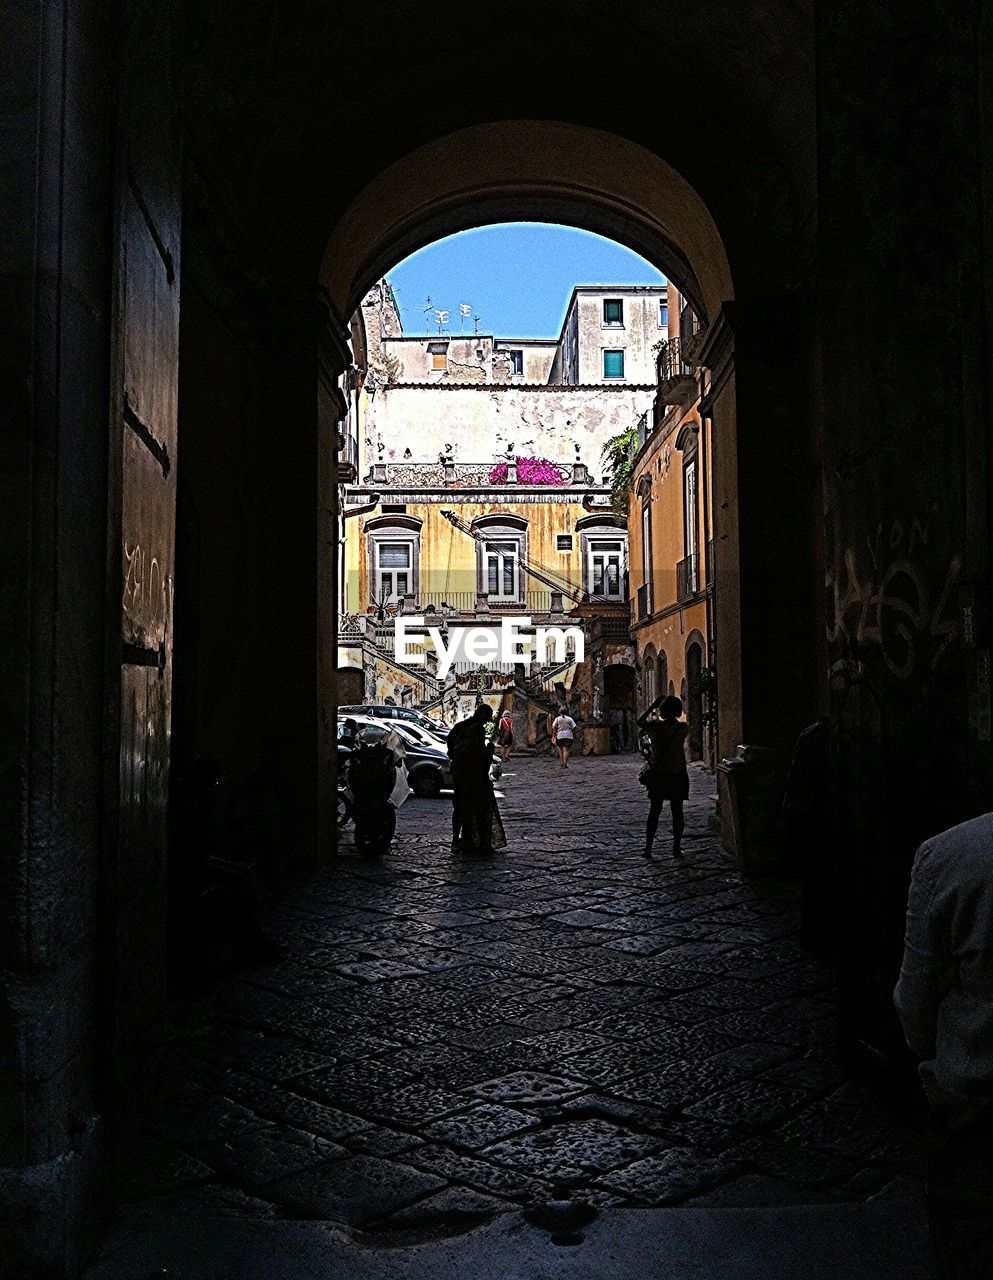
(665, 773)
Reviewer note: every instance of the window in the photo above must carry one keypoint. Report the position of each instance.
(646, 553)
(394, 570)
(690, 523)
(563, 542)
(439, 357)
(516, 361)
(613, 364)
(613, 311)
(501, 563)
(394, 508)
(605, 568)
(663, 315)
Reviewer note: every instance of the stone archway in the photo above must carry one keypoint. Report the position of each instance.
(694, 694)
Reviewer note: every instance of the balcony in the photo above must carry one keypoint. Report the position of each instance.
(467, 475)
(644, 603)
(677, 384)
(687, 578)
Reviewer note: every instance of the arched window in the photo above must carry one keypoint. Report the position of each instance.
(651, 683)
(500, 551)
(604, 548)
(394, 543)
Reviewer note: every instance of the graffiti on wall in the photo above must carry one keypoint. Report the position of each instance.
(879, 599)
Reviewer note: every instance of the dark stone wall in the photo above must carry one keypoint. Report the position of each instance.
(247, 634)
(905, 423)
(55, 252)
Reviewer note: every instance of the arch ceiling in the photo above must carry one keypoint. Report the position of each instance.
(529, 170)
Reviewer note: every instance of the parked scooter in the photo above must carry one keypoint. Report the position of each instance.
(377, 783)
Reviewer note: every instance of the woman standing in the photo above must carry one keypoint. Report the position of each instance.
(505, 734)
(476, 825)
(563, 729)
(665, 774)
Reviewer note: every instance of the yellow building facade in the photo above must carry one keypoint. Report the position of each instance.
(670, 523)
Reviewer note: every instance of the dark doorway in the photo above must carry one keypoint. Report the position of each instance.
(619, 686)
(694, 694)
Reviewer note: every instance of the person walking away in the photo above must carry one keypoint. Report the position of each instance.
(505, 734)
(476, 823)
(563, 731)
(665, 774)
(944, 1000)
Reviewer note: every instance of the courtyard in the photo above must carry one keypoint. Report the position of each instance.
(562, 1029)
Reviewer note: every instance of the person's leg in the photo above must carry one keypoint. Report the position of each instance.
(677, 827)
(652, 825)
(456, 823)
(566, 748)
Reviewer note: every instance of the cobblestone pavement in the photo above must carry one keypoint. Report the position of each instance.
(448, 1038)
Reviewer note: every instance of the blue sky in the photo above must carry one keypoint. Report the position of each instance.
(517, 276)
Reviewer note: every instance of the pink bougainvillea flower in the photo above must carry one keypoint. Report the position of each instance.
(530, 471)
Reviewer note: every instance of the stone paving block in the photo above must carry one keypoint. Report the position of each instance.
(354, 1191)
(352, 1081)
(413, 1105)
(609, 1063)
(472, 1171)
(377, 970)
(568, 1151)
(380, 1140)
(750, 1104)
(678, 1085)
(446, 1210)
(527, 1086)
(641, 944)
(480, 1126)
(274, 1102)
(262, 1155)
(670, 1177)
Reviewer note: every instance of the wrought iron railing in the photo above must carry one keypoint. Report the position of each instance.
(450, 601)
(462, 475)
(687, 578)
(670, 362)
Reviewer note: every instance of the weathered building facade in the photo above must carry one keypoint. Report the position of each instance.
(670, 523)
(483, 495)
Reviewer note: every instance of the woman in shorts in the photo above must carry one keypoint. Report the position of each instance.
(665, 774)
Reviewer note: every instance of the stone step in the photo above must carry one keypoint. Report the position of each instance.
(882, 1239)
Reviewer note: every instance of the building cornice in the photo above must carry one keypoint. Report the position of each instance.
(505, 495)
(521, 386)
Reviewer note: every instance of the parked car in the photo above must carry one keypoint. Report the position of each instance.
(405, 714)
(428, 766)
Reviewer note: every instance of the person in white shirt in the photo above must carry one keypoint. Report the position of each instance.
(944, 999)
(563, 732)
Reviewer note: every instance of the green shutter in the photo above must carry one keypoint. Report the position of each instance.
(613, 364)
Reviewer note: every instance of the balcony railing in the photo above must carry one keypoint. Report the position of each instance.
(687, 578)
(644, 609)
(670, 362)
(463, 475)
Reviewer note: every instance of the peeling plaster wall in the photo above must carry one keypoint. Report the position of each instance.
(568, 424)
(637, 336)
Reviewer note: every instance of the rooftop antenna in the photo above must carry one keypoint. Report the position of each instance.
(465, 309)
(442, 318)
(428, 306)
(475, 323)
